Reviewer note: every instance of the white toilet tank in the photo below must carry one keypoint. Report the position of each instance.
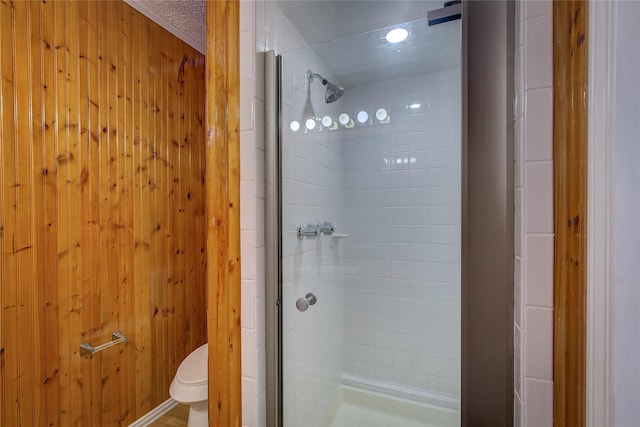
(190, 383)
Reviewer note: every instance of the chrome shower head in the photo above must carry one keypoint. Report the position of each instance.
(332, 91)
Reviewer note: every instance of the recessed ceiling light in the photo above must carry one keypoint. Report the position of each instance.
(415, 105)
(397, 35)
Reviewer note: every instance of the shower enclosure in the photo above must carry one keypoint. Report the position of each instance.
(364, 207)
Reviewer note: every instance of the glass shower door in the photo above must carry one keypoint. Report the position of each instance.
(370, 237)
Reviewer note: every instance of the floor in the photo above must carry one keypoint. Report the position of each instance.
(176, 417)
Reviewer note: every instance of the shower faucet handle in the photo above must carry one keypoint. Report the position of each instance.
(327, 228)
(310, 231)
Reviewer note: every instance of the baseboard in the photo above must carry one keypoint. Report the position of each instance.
(155, 413)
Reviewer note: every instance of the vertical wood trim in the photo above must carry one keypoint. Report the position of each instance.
(111, 360)
(130, 194)
(23, 243)
(62, 208)
(570, 59)
(93, 327)
(3, 323)
(156, 268)
(74, 254)
(142, 223)
(223, 213)
(51, 378)
(103, 191)
(174, 209)
(233, 112)
(37, 219)
(85, 198)
(201, 206)
(9, 299)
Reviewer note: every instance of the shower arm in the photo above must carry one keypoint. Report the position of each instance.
(311, 75)
(332, 91)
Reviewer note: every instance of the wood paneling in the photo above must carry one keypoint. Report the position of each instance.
(570, 65)
(102, 211)
(223, 212)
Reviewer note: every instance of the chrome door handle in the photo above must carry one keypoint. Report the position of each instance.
(303, 304)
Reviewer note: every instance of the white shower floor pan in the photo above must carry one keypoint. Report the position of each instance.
(361, 408)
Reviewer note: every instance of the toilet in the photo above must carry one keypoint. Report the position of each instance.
(190, 387)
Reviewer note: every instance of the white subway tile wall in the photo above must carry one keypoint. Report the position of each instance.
(402, 213)
(538, 133)
(533, 182)
(251, 225)
(312, 192)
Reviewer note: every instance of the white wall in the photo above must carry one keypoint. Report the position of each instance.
(252, 193)
(626, 212)
(533, 182)
(402, 258)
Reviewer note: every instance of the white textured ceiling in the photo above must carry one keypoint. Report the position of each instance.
(322, 21)
(184, 18)
(349, 38)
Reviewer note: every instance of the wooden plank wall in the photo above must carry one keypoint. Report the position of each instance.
(570, 64)
(223, 212)
(102, 211)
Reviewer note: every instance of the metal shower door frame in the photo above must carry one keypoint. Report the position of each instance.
(273, 241)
